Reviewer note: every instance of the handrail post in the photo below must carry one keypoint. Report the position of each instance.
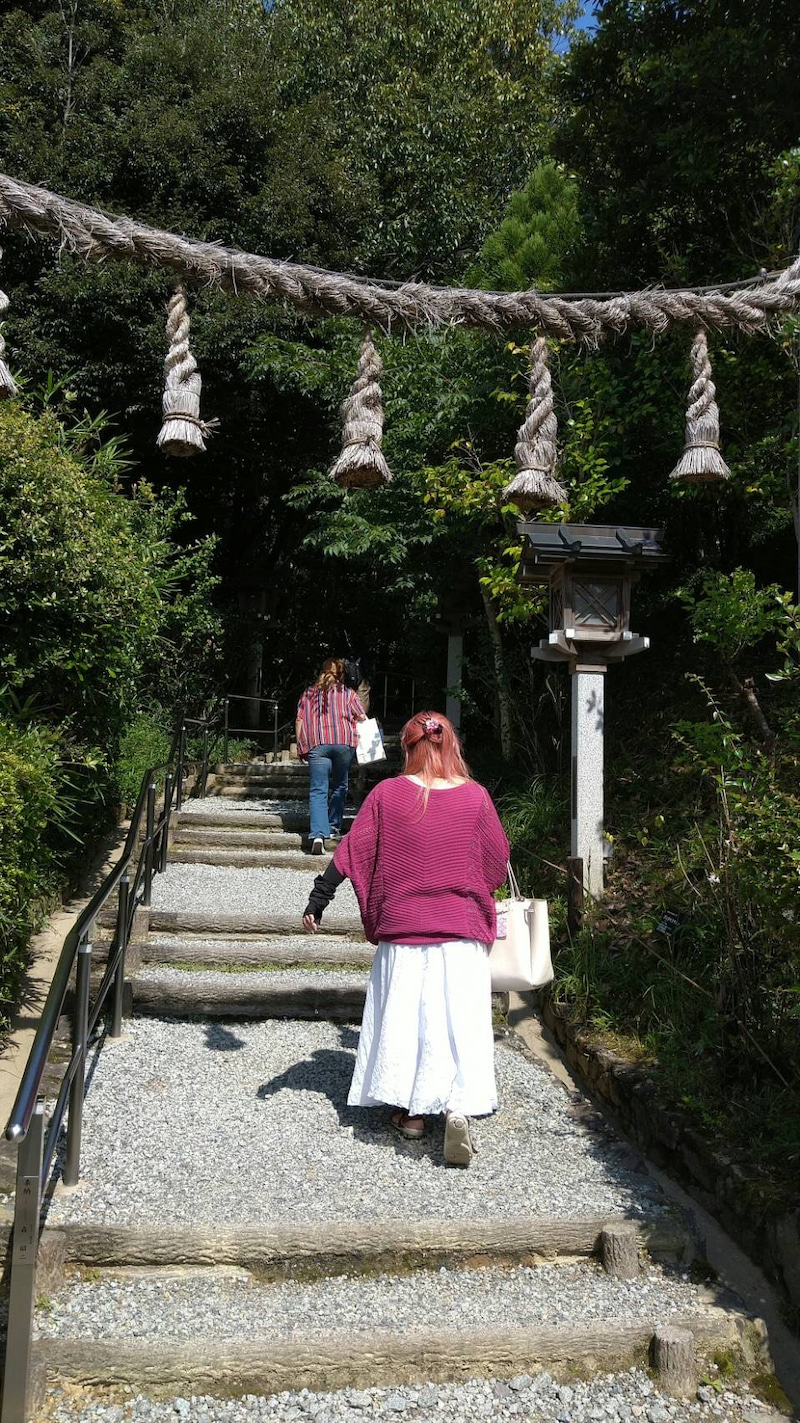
(164, 845)
(80, 1038)
(275, 734)
(24, 1248)
(179, 767)
(150, 822)
(204, 774)
(227, 706)
(120, 945)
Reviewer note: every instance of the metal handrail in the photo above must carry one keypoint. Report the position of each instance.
(36, 1150)
(228, 730)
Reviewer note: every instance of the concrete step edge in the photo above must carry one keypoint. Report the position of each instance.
(233, 998)
(178, 921)
(317, 1360)
(321, 949)
(243, 858)
(355, 1241)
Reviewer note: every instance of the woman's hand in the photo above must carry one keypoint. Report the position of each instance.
(310, 924)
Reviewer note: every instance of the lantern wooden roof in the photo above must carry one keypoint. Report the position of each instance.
(619, 545)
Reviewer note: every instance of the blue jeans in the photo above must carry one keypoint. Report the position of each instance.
(329, 767)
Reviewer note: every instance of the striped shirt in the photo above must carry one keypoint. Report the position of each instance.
(328, 718)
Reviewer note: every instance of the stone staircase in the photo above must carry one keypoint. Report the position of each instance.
(244, 1245)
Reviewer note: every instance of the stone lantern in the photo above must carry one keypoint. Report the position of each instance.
(589, 570)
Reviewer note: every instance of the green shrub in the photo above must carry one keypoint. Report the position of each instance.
(109, 629)
(145, 743)
(106, 611)
(29, 872)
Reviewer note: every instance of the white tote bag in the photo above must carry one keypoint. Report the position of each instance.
(520, 959)
(370, 742)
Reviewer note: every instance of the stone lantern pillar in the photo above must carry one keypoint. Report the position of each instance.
(589, 570)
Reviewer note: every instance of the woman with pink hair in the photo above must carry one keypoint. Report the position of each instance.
(425, 854)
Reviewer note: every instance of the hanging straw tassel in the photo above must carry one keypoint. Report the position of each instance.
(183, 432)
(362, 465)
(701, 461)
(7, 383)
(535, 486)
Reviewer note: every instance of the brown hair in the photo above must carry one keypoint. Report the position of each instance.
(432, 750)
(331, 675)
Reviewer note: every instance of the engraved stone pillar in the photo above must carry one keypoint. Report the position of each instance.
(588, 686)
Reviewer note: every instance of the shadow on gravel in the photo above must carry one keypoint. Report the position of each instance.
(222, 1039)
(328, 1072)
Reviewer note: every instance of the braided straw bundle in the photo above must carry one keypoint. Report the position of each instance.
(362, 465)
(701, 461)
(7, 383)
(183, 432)
(535, 486)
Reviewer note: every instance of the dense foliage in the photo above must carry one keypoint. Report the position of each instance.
(109, 627)
(449, 142)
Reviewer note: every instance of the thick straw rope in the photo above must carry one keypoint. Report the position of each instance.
(535, 486)
(96, 237)
(701, 461)
(8, 385)
(183, 432)
(362, 465)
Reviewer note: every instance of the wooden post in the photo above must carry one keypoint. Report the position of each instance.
(574, 894)
(620, 1247)
(673, 1359)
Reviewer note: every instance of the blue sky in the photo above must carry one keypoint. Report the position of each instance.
(587, 21)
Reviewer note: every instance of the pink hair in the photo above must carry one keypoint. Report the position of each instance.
(432, 750)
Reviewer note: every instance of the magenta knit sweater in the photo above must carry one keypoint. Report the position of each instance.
(421, 878)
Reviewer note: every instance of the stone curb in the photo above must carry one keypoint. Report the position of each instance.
(667, 1135)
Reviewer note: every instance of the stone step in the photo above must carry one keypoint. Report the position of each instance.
(254, 924)
(335, 995)
(252, 837)
(286, 950)
(240, 857)
(263, 769)
(250, 817)
(233, 1335)
(261, 790)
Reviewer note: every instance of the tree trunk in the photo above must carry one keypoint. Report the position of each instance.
(501, 691)
(752, 708)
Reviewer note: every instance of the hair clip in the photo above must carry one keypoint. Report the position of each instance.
(431, 725)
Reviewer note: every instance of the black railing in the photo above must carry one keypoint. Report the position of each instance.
(249, 732)
(142, 857)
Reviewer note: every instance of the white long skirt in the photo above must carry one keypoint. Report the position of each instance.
(427, 1042)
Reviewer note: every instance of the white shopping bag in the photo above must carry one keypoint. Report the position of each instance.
(370, 742)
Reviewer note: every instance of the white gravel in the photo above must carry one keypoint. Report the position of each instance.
(608, 1397)
(251, 980)
(247, 1122)
(240, 1307)
(220, 889)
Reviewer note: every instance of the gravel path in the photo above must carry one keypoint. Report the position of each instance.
(220, 889)
(273, 1111)
(253, 979)
(608, 1397)
(208, 1306)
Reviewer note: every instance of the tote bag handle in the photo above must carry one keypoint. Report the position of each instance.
(512, 883)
